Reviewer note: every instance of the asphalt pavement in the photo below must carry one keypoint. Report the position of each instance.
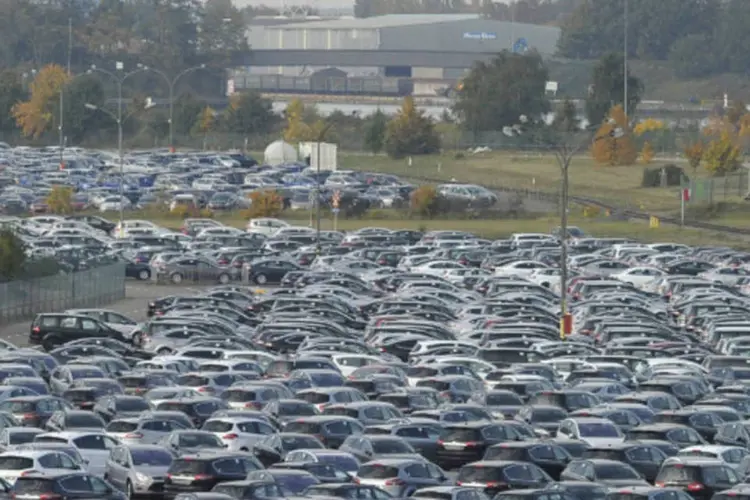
(137, 296)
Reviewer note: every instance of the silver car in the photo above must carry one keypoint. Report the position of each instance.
(237, 433)
(401, 477)
(134, 430)
(138, 469)
(192, 441)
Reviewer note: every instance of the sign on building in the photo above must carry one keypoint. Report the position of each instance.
(480, 35)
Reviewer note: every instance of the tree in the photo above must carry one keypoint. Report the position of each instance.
(60, 200)
(722, 155)
(732, 44)
(35, 115)
(185, 112)
(647, 153)
(206, 121)
(249, 113)
(296, 129)
(410, 132)
(613, 142)
(608, 88)
(11, 92)
(375, 132)
(80, 121)
(595, 26)
(566, 117)
(12, 255)
(222, 30)
(493, 95)
(694, 154)
(693, 56)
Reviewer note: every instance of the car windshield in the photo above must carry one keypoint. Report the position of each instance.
(598, 430)
(151, 458)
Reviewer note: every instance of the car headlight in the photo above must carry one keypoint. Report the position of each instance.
(141, 478)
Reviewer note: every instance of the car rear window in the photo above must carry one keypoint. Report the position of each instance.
(377, 471)
(500, 453)
(18, 407)
(474, 474)
(121, 426)
(22, 437)
(32, 486)
(461, 435)
(16, 463)
(132, 382)
(303, 427)
(316, 398)
(238, 396)
(678, 473)
(50, 321)
(184, 466)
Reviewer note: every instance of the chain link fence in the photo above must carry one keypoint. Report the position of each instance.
(95, 287)
(715, 189)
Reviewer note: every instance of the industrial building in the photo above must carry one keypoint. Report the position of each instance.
(410, 53)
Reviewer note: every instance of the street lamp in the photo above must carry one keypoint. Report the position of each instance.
(119, 119)
(321, 136)
(172, 83)
(565, 149)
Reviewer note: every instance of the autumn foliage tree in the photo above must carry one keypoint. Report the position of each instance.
(728, 136)
(296, 129)
(722, 155)
(267, 203)
(60, 200)
(647, 153)
(410, 132)
(36, 115)
(613, 143)
(694, 154)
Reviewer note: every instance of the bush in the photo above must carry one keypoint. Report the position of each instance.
(268, 203)
(426, 202)
(652, 176)
(60, 200)
(191, 212)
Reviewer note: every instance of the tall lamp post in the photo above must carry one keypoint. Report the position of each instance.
(119, 119)
(172, 83)
(565, 149)
(321, 136)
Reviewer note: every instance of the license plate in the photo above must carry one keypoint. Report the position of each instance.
(454, 446)
(182, 479)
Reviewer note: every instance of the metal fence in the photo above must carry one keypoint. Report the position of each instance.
(92, 288)
(716, 189)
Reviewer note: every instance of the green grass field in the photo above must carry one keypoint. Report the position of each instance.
(619, 185)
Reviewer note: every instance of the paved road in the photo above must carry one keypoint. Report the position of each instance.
(133, 306)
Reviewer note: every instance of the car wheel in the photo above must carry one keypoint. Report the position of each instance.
(50, 343)
(129, 490)
(144, 274)
(261, 279)
(164, 351)
(224, 279)
(176, 278)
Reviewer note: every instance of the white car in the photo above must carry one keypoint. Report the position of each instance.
(436, 267)
(520, 268)
(238, 433)
(93, 446)
(639, 276)
(349, 363)
(730, 455)
(114, 203)
(265, 225)
(597, 432)
(17, 463)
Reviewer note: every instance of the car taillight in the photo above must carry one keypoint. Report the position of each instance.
(29, 472)
(695, 487)
(133, 435)
(200, 477)
(659, 484)
(253, 404)
(27, 416)
(394, 482)
(36, 329)
(45, 496)
(204, 389)
(440, 441)
(229, 436)
(493, 484)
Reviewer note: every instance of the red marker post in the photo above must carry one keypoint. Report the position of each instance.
(684, 198)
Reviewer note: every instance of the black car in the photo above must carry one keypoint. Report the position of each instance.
(138, 270)
(198, 410)
(465, 443)
(73, 486)
(51, 330)
(120, 406)
(274, 448)
(34, 411)
(267, 271)
(700, 478)
(644, 458)
(494, 476)
(546, 454)
(195, 473)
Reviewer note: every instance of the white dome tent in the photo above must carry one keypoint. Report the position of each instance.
(279, 152)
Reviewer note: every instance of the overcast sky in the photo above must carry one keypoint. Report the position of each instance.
(321, 4)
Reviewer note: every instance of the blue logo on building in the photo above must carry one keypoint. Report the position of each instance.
(520, 46)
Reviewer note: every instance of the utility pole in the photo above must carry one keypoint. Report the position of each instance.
(625, 61)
